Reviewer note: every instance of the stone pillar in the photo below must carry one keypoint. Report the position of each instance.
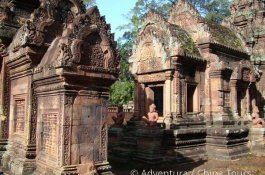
(142, 101)
(168, 99)
(167, 94)
(72, 130)
(136, 99)
(174, 103)
(225, 139)
(4, 96)
(248, 100)
(215, 95)
(178, 90)
(20, 155)
(207, 87)
(233, 85)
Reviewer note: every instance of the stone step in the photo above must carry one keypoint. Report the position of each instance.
(187, 159)
(129, 139)
(122, 150)
(128, 144)
(152, 159)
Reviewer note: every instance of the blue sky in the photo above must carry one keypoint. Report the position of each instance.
(115, 11)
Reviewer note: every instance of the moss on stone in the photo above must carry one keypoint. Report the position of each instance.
(186, 42)
(224, 36)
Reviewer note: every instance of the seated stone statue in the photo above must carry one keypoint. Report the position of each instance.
(257, 122)
(152, 116)
(118, 120)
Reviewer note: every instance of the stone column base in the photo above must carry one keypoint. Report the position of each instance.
(257, 141)
(18, 166)
(185, 145)
(103, 168)
(227, 143)
(3, 145)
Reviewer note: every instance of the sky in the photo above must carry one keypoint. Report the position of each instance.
(115, 11)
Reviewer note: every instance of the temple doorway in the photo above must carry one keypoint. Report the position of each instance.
(158, 99)
(192, 100)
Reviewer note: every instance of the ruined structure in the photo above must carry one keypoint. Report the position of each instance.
(204, 80)
(57, 62)
(248, 20)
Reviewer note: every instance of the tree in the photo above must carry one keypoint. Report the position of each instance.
(89, 3)
(217, 10)
(121, 92)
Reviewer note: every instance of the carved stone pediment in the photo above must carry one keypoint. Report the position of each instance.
(46, 22)
(86, 44)
(158, 41)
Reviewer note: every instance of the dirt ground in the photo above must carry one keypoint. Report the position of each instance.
(246, 166)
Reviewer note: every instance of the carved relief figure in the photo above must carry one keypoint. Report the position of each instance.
(257, 122)
(152, 116)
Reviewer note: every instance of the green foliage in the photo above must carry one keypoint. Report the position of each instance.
(121, 92)
(186, 42)
(217, 10)
(229, 39)
(89, 3)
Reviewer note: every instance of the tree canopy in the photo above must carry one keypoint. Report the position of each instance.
(89, 3)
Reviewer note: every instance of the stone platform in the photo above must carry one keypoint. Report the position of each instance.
(227, 142)
(257, 141)
(183, 142)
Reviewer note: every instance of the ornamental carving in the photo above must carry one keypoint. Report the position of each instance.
(33, 124)
(65, 55)
(92, 52)
(49, 135)
(103, 149)
(5, 10)
(20, 112)
(50, 13)
(147, 52)
(93, 43)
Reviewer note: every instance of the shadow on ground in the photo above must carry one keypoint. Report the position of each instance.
(133, 167)
(249, 165)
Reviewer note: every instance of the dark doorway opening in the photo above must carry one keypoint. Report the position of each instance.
(158, 99)
(190, 97)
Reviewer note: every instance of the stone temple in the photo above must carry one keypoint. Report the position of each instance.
(206, 82)
(58, 60)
